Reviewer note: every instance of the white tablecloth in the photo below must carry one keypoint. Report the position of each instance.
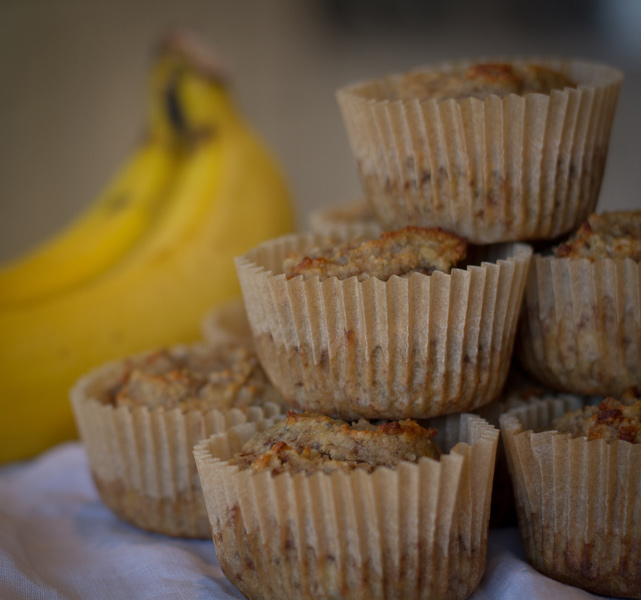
(58, 541)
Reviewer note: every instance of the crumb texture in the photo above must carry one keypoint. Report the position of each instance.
(608, 235)
(310, 443)
(194, 378)
(480, 81)
(611, 420)
(401, 252)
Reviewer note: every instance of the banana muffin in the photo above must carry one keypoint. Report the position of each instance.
(577, 484)
(141, 416)
(607, 235)
(317, 508)
(495, 150)
(481, 80)
(414, 346)
(580, 330)
(310, 443)
(408, 250)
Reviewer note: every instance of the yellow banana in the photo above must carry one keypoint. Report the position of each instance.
(116, 222)
(227, 196)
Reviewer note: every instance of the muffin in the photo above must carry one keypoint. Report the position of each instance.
(577, 488)
(413, 346)
(350, 511)
(581, 331)
(140, 418)
(498, 150)
(350, 220)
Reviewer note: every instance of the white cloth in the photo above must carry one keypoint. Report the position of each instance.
(59, 542)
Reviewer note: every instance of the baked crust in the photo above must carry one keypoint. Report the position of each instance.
(310, 443)
(607, 235)
(481, 80)
(610, 420)
(199, 378)
(401, 252)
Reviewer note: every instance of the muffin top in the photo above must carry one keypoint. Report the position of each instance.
(480, 81)
(310, 443)
(197, 377)
(611, 420)
(610, 235)
(402, 252)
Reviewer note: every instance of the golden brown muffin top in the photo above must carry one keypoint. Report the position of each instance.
(610, 235)
(611, 420)
(310, 443)
(480, 81)
(197, 377)
(401, 252)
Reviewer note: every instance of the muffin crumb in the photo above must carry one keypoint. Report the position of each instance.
(611, 420)
(609, 235)
(481, 80)
(197, 378)
(401, 252)
(309, 443)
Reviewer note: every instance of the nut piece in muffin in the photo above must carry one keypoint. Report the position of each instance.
(609, 235)
(402, 252)
(610, 420)
(482, 80)
(310, 443)
(201, 378)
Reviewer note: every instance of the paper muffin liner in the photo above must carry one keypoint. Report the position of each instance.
(581, 326)
(227, 323)
(141, 459)
(417, 346)
(419, 531)
(578, 501)
(517, 168)
(351, 220)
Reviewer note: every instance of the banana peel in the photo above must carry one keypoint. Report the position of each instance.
(225, 195)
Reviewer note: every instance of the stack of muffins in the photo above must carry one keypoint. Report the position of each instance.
(382, 330)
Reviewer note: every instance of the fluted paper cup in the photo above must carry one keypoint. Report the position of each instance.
(141, 459)
(517, 168)
(578, 501)
(581, 325)
(417, 346)
(350, 220)
(419, 531)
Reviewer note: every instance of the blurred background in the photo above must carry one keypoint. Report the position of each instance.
(73, 99)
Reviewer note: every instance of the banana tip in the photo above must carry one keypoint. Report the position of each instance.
(196, 52)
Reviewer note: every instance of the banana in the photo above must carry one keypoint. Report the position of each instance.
(227, 196)
(108, 230)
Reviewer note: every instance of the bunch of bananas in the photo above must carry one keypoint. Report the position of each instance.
(154, 252)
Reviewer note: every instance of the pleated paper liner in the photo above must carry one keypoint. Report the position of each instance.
(348, 220)
(417, 346)
(581, 327)
(578, 502)
(518, 168)
(141, 460)
(419, 531)
(227, 322)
